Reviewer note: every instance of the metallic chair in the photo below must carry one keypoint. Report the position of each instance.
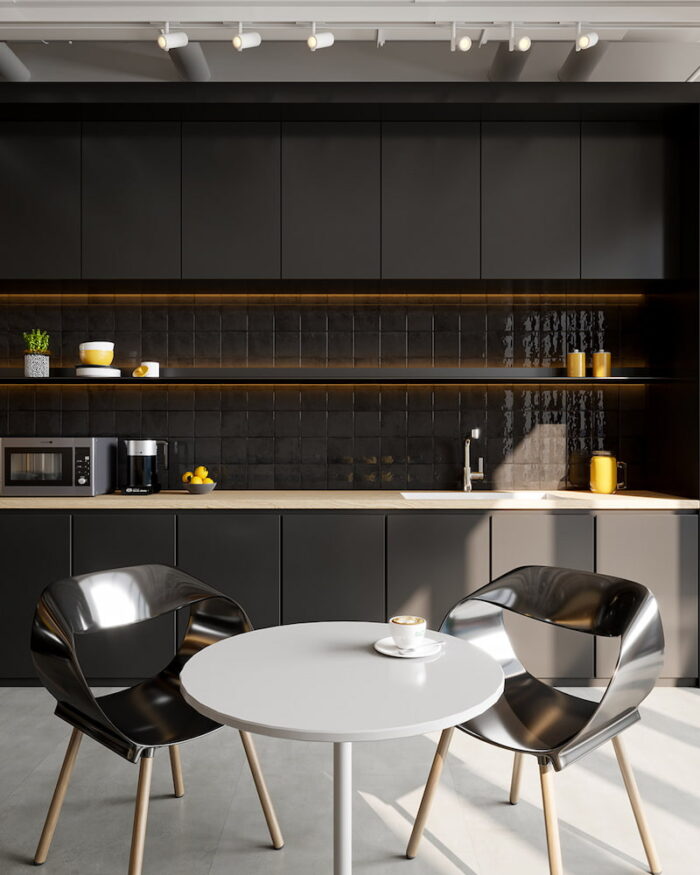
(133, 722)
(534, 718)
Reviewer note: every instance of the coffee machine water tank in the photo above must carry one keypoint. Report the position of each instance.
(142, 466)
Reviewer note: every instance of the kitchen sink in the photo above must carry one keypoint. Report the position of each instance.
(476, 495)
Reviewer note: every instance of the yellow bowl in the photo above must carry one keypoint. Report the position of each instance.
(97, 357)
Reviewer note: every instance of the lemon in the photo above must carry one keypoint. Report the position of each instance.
(195, 480)
(141, 371)
(201, 471)
(187, 476)
(207, 480)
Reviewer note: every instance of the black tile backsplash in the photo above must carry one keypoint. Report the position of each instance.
(344, 437)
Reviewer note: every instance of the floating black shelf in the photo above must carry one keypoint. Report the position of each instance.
(251, 376)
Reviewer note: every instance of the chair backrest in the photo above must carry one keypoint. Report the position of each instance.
(595, 604)
(89, 603)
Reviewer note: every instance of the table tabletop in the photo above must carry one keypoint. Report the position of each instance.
(326, 682)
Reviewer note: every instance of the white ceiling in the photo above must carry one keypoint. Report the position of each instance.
(85, 40)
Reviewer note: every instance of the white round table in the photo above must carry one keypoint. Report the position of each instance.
(325, 682)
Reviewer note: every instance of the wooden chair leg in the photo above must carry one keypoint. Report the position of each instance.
(176, 768)
(429, 792)
(515, 779)
(59, 794)
(550, 819)
(138, 836)
(261, 787)
(636, 802)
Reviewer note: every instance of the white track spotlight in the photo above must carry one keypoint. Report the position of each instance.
(586, 41)
(249, 40)
(319, 40)
(168, 40)
(523, 44)
(464, 43)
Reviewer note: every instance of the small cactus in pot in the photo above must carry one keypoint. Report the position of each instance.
(36, 353)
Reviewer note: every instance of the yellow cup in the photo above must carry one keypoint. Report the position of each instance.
(576, 364)
(97, 352)
(604, 473)
(602, 364)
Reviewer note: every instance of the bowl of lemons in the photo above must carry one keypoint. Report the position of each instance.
(198, 482)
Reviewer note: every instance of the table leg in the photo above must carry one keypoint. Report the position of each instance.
(342, 808)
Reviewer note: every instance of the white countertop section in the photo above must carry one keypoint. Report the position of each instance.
(354, 499)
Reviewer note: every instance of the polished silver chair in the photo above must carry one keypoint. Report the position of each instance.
(532, 717)
(137, 721)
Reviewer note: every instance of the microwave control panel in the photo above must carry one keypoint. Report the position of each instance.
(82, 466)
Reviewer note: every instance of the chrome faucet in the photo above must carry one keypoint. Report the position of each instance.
(470, 475)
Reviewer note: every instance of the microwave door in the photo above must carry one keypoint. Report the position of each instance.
(32, 467)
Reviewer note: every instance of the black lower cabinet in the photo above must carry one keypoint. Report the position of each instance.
(564, 540)
(239, 555)
(105, 540)
(37, 552)
(433, 561)
(333, 567)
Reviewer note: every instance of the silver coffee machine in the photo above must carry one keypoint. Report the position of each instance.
(142, 466)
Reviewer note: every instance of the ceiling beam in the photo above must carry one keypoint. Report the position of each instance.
(11, 68)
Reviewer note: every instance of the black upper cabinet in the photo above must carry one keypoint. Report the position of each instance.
(629, 201)
(530, 200)
(131, 200)
(40, 196)
(430, 200)
(231, 200)
(330, 200)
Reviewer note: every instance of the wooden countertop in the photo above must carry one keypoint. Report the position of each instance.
(351, 500)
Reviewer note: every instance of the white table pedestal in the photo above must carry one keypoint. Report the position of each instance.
(342, 808)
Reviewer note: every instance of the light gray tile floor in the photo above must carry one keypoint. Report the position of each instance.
(218, 828)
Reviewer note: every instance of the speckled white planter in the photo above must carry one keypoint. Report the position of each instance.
(36, 365)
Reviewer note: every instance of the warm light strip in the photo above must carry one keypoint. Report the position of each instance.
(107, 299)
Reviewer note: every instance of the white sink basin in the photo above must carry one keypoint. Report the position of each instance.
(476, 495)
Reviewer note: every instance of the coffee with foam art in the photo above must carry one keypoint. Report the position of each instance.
(408, 631)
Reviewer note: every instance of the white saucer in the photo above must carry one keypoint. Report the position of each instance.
(388, 648)
(97, 371)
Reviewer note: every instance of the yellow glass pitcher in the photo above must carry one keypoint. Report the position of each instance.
(604, 473)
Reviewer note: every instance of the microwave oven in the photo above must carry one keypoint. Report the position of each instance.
(57, 466)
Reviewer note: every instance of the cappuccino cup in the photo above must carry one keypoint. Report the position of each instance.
(407, 631)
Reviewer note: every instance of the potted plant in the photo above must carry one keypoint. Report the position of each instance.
(36, 353)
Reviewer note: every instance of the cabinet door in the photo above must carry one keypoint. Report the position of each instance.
(39, 554)
(433, 561)
(231, 200)
(430, 200)
(563, 540)
(332, 568)
(106, 540)
(330, 200)
(530, 220)
(659, 550)
(627, 202)
(40, 197)
(131, 200)
(238, 554)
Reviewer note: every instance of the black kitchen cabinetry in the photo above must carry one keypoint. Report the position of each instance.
(330, 200)
(333, 567)
(434, 560)
(231, 200)
(131, 200)
(430, 200)
(37, 552)
(237, 554)
(629, 202)
(40, 197)
(530, 218)
(107, 540)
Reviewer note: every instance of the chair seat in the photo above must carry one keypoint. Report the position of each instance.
(531, 717)
(153, 713)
